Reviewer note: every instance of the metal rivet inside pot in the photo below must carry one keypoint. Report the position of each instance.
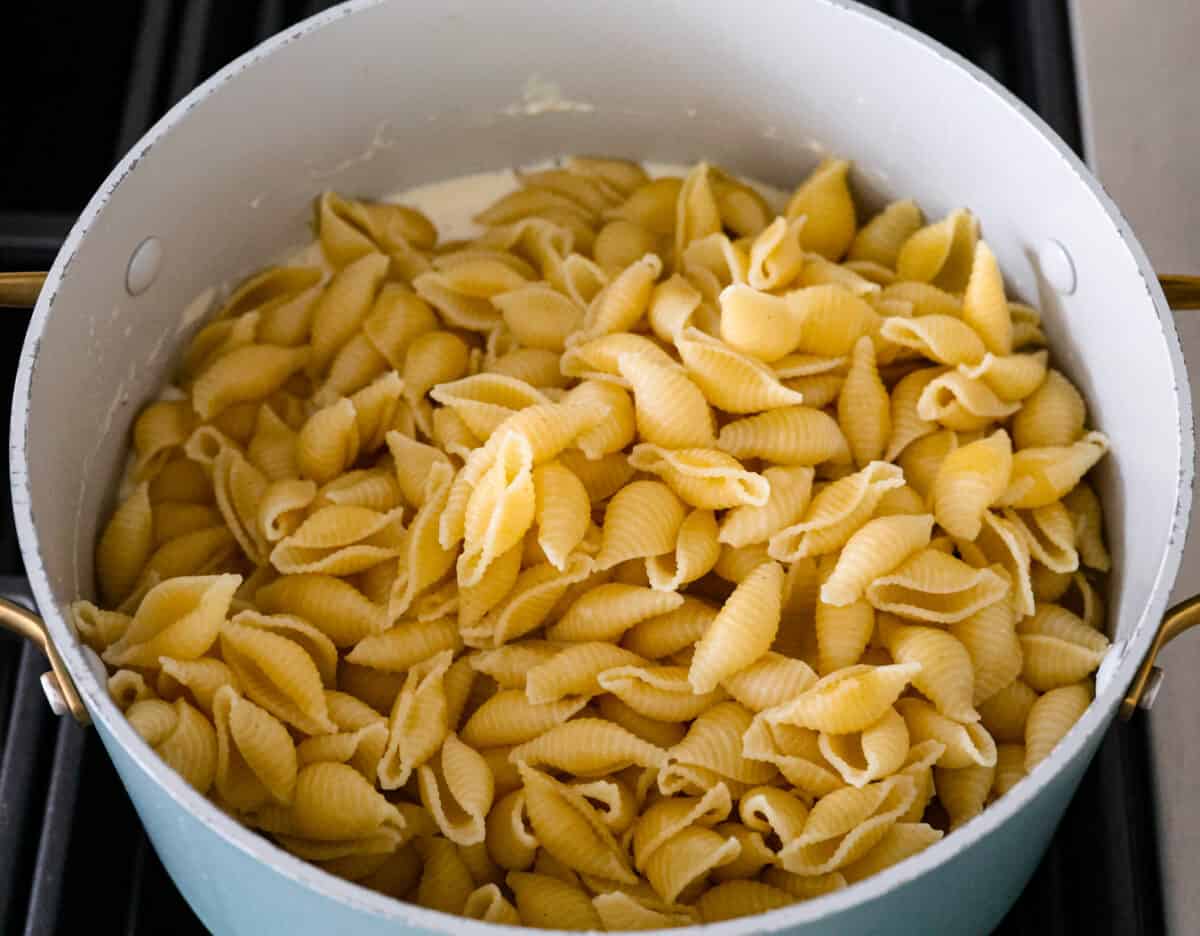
(1057, 267)
(143, 266)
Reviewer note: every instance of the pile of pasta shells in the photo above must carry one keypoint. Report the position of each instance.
(648, 559)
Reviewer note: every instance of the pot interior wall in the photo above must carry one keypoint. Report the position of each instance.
(401, 93)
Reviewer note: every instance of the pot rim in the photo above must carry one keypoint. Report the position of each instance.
(102, 709)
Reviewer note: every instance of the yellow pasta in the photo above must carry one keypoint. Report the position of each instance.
(946, 677)
(671, 410)
(549, 903)
(790, 489)
(731, 381)
(941, 253)
(965, 744)
(588, 747)
(1052, 415)
(932, 586)
(847, 700)
(880, 239)
(181, 736)
(742, 631)
(793, 435)
(125, 546)
(875, 549)
(864, 410)
(825, 202)
(704, 478)
(1058, 648)
(1050, 718)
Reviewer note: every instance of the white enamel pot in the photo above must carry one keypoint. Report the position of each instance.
(375, 96)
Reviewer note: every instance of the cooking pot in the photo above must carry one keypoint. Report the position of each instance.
(374, 96)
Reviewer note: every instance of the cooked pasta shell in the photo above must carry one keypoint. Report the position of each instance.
(941, 253)
(832, 319)
(985, 307)
(942, 338)
(422, 560)
(568, 827)
(510, 665)
(824, 200)
(880, 239)
(1050, 718)
(336, 607)
(181, 736)
(641, 520)
(574, 670)
(1053, 415)
(1010, 768)
(795, 752)
(508, 717)
(457, 788)
(666, 634)
(536, 591)
(125, 546)
(1006, 713)
(598, 359)
(587, 747)
(846, 824)
(802, 886)
(965, 744)
(547, 902)
(714, 741)
(730, 380)
(340, 540)
(704, 478)
(946, 677)
(696, 552)
(732, 899)
(932, 586)
(875, 549)
(1049, 532)
(200, 679)
(510, 839)
(792, 435)
(847, 700)
(607, 611)
(179, 618)
(256, 757)
(671, 410)
(127, 687)
(676, 867)
(964, 792)
(836, 512)
(659, 692)
(1058, 648)
(1088, 522)
(771, 680)
(419, 721)
(902, 840)
(484, 401)
(1040, 476)
(959, 402)
(251, 372)
(619, 910)
(871, 754)
(329, 442)
(990, 638)
(401, 647)
(743, 629)
(1011, 377)
(864, 410)
(790, 489)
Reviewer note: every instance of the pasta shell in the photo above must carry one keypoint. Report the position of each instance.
(946, 677)
(846, 824)
(832, 319)
(567, 826)
(532, 598)
(696, 552)
(771, 680)
(729, 380)
(835, 513)
(1050, 718)
(641, 520)
(588, 747)
(959, 402)
(985, 307)
(965, 745)
(1053, 415)
(824, 200)
(733, 899)
(552, 904)
(339, 540)
(792, 435)
(125, 546)
(875, 549)
(419, 721)
(671, 410)
(1011, 377)
(991, 641)
(1049, 532)
(1088, 522)
(341, 612)
(941, 253)
(598, 359)
(677, 866)
(902, 840)
(872, 754)
(1005, 713)
(1010, 768)
(607, 611)
(795, 752)
(672, 305)
(616, 429)
(714, 742)
(790, 490)
(1040, 476)
(847, 700)
(932, 586)
(179, 618)
(666, 634)
(622, 303)
(574, 670)
(704, 478)
(659, 692)
(401, 647)
(457, 789)
(508, 717)
(1058, 649)
(251, 372)
(743, 629)
(256, 758)
(181, 736)
(880, 239)
(864, 410)
(942, 338)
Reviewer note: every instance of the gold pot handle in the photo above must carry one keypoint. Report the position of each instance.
(26, 624)
(20, 290)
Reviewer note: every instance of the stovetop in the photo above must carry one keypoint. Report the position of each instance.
(84, 81)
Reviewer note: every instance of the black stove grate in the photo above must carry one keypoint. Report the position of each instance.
(95, 77)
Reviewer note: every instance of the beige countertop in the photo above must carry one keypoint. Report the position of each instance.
(1139, 78)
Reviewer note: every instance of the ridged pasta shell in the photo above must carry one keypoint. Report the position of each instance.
(714, 742)
(990, 638)
(835, 513)
(824, 200)
(574, 670)
(791, 435)
(1053, 415)
(669, 633)
(1011, 377)
(1040, 476)
(740, 898)
(942, 338)
(965, 744)
(703, 478)
(550, 903)
(180, 618)
(599, 358)
(659, 692)
(181, 736)
(956, 401)
(508, 717)
(340, 540)
(872, 754)
(847, 700)
(794, 751)
(941, 253)
(875, 549)
(729, 380)
(418, 723)
(587, 747)
(671, 410)
(1058, 648)
(532, 598)
(1010, 768)
(696, 553)
(771, 680)
(1050, 718)
(863, 407)
(1004, 715)
(336, 607)
(880, 239)
(947, 675)
(743, 629)
(256, 757)
(932, 586)
(902, 840)
(457, 789)
(641, 520)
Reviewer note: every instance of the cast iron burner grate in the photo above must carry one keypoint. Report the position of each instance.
(87, 80)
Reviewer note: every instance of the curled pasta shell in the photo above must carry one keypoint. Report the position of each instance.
(942, 338)
(965, 744)
(179, 618)
(588, 747)
(847, 700)
(1050, 718)
(342, 612)
(941, 253)
(457, 789)
(256, 757)
(1040, 476)
(1058, 649)
(704, 478)
(1053, 415)
(730, 380)
(871, 754)
(875, 549)
(550, 903)
(641, 520)
(659, 692)
(743, 629)
(880, 239)
(863, 407)
(795, 752)
(508, 717)
(824, 200)
(932, 586)
(791, 435)
(671, 410)
(959, 402)
(946, 677)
